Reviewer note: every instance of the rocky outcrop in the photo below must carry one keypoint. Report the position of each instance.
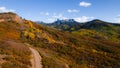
(10, 17)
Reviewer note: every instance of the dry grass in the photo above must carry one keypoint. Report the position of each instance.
(13, 54)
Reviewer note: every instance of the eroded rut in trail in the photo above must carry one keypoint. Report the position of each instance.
(37, 60)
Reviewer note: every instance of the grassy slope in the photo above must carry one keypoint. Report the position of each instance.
(13, 53)
(110, 31)
(75, 51)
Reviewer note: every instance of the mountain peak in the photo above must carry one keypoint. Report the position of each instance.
(97, 21)
(65, 21)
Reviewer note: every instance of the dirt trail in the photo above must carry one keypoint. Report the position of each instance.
(36, 61)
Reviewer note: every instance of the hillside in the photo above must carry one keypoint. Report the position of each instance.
(59, 49)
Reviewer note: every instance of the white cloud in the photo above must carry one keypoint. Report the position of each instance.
(72, 11)
(85, 4)
(4, 9)
(83, 19)
(59, 16)
(118, 16)
(117, 19)
(50, 20)
(54, 17)
(45, 13)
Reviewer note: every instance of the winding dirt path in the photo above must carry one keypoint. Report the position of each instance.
(36, 61)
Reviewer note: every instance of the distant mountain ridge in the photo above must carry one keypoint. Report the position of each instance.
(66, 25)
(71, 24)
(95, 28)
(98, 23)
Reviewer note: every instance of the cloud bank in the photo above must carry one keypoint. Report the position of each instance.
(83, 18)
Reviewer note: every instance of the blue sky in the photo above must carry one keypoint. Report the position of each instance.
(50, 10)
